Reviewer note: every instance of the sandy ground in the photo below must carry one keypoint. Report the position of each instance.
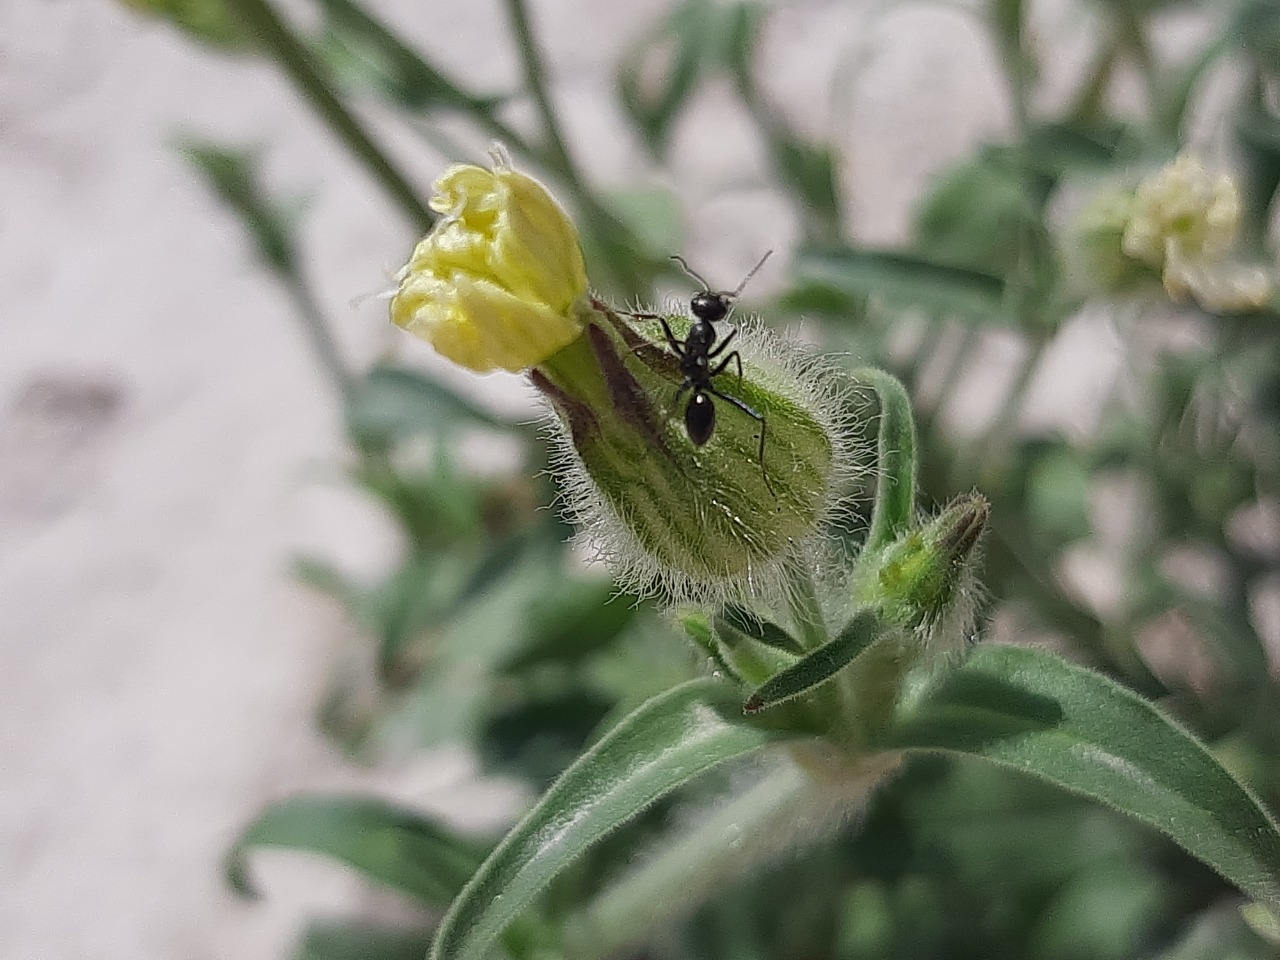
(166, 443)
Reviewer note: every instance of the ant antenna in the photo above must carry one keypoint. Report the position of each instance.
(731, 295)
(754, 271)
(689, 271)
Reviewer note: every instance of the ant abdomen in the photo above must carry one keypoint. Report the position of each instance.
(700, 419)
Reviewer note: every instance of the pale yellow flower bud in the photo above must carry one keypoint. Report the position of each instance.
(1186, 210)
(499, 283)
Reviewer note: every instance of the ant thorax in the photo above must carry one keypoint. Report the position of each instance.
(701, 346)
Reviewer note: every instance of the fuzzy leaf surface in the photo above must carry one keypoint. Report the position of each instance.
(663, 744)
(818, 667)
(1034, 712)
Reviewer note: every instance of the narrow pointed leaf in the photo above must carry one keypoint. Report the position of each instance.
(654, 102)
(391, 845)
(766, 632)
(1034, 712)
(818, 667)
(902, 280)
(697, 626)
(665, 743)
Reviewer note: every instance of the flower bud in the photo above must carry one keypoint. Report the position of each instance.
(500, 282)
(926, 581)
(695, 520)
(1183, 208)
(1181, 224)
(708, 505)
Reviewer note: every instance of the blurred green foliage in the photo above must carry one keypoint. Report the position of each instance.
(487, 634)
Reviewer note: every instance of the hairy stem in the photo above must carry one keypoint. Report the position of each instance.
(806, 610)
(689, 868)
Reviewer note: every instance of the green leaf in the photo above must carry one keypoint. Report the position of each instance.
(654, 99)
(697, 625)
(652, 215)
(362, 51)
(328, 579)
(1030, 710)
(973, 215)
(896, 483)
(1105, 912)
(818, 667)
(1258, 141)
(233, 175)
(810, 171)
(1057, 496)
(1257, 30)
(448, 702)
(572, 621)
(902, 280)
(362, 941)
(763, 631)
(1056, 149)
(665, 743)
(393, 402)
(389, 844)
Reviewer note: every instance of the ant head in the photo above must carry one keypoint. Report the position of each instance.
(711, 306)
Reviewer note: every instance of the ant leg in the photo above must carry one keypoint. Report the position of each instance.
(734, 357)
(675, 403)
(672, 342)
(754, 415)
(676, 346)
(723, 343)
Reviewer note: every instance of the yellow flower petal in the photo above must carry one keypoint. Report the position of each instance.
(496, 283)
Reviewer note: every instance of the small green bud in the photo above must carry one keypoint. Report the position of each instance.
(925, 582)
(708, 521)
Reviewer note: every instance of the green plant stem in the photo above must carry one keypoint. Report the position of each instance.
(1133, 39)
(619, 247)
(535, 80)
(1018, 68)
(1090, 98)
(806, 610)
(263, 21)
(690, 866)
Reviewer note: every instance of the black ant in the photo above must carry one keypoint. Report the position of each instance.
(698, 351)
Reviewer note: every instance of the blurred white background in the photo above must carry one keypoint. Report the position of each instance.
(167, 442)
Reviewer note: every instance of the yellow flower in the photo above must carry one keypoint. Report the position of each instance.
(1183, 210)
(499, 282)
(1184, 222)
